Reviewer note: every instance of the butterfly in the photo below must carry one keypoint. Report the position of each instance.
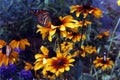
(105, 56)
(7, 50)
(42, 16)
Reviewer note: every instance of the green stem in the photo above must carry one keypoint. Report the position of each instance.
(115, 63)
(59, 39)
(113, 34)
(82, 32)
(95, 72)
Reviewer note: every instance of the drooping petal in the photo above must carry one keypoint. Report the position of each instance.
(44, 50)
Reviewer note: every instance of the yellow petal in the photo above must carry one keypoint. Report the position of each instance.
(5, 60)
(62, 28)
(77, 14)
(44, 50)
(62, 70)
(38, 66)
(50, 38)
(71, 60)
(67, 19)
(52, 32)
(118, 2)
(69, 25)
(38, 56)
(85, 15)
(67, 68)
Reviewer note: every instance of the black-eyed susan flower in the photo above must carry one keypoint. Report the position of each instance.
(66, 46)
(103, 64)
(12, 58)
(101, 35)
(46, 31)
(41, 59)
(67, 21)
(60, 63)
(75, 36)
(7, 55)
(85, 50)
(85, 10)
(59, 27)
(118, 2)
(89, 49)
(19, 44)
(28, 66)
(84, 24)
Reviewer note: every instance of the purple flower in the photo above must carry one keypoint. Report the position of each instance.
(7, 71)
(27, 75)
(17, 49)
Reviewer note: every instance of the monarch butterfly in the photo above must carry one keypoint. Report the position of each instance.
(6, 50)
(42, 16)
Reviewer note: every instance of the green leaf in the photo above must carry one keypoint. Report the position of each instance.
(78, 70)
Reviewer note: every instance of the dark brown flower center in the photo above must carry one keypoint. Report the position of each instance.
(51, 53)
(74, 34)
(60, 62)
(66, 44)
(86, 7)
(104, 61)
(56, 21)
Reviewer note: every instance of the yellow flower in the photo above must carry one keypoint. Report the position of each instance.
(60, 63)
(90, 49)
(97, 62)
(2, 43)
(12, 58)
(60, 30)
(41, 58)
(104, 34)
(75, 36)
(66, 46)
(103, 64)
(86, 23)
(67, 21)
(85, 50)
(85, 10)
(46, 31)
(19, 44)
(7, 55)
(3, 59)
(28, 66)
(118, 2)
(59, 26)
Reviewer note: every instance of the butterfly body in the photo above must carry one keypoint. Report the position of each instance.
(42, 16)
(6, 50)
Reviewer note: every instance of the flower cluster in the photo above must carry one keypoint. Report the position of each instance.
(65, 41)
(53, 62)
(8, 53)
(104, 64)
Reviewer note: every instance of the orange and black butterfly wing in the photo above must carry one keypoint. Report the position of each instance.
(42, 16)
(43, 19)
